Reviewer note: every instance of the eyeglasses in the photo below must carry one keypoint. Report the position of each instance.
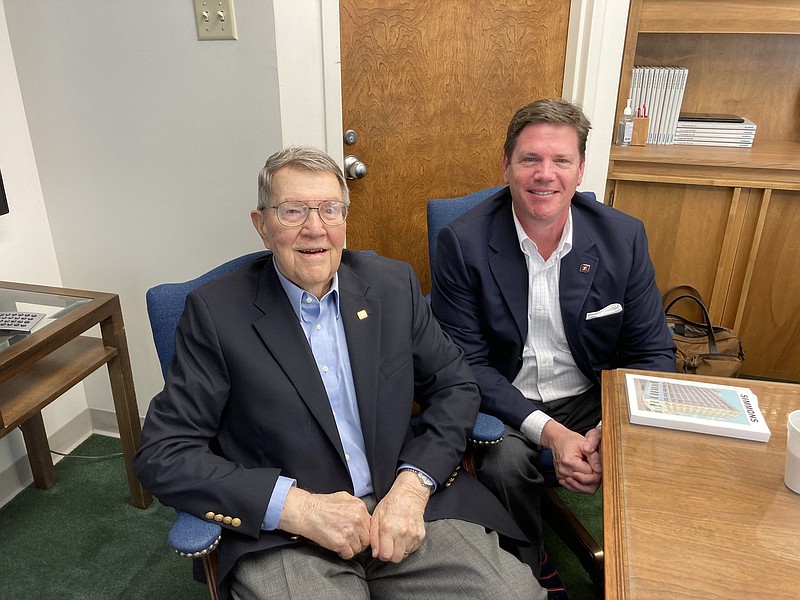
(294, 214)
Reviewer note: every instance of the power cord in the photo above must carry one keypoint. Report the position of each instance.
(100, 457)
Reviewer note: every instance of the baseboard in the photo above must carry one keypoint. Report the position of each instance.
(17, 476)
(104, 422)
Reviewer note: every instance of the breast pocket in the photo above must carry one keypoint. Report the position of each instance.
(391, 366)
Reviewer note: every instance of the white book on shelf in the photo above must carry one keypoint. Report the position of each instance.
(660, 103)
(636, 88)
(683, 77)
(647, 96)
(657, 103)
(710, 135)
(663, 130)
(678, 78)
(710, 408)
(721, 144)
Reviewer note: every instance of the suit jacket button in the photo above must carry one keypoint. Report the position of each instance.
(227, 520)
(209, 515)
(218, 518)
(236, 522)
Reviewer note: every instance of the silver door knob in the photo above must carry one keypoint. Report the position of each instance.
(354, 168)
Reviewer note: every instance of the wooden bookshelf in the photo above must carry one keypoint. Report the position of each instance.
(724, 219)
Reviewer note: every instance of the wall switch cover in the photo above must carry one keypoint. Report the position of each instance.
(215, 19)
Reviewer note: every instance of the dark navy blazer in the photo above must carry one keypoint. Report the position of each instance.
(480, 296)
(243, 403)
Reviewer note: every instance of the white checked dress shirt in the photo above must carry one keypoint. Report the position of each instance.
(548, 370)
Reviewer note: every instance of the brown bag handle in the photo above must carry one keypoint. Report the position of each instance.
(712, 341)
(693, 291)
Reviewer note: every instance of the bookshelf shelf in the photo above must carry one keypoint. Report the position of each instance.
(712, 16)
(764, 155)
(724, 220)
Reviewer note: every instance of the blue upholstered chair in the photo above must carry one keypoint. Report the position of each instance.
(555, 512)
(190, 535)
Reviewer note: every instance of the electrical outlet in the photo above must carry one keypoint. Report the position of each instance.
(215, 19)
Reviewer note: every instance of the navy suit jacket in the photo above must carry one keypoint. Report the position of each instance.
(480, 296)
(243, 403)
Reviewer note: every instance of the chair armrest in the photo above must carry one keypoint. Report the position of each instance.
(192, 536)
(488, 430)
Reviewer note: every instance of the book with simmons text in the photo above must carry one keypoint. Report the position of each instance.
(710, 408)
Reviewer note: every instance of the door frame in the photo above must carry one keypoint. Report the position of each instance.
(309, 74)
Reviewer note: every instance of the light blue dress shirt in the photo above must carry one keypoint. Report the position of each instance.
(324, 330)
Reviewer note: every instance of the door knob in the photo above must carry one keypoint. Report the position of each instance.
(354, 168)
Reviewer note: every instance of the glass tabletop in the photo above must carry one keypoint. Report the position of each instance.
(54, 306)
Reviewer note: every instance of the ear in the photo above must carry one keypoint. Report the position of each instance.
(260, 223)
(581, 169)
(505, 165)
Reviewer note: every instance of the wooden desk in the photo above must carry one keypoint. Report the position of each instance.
(689, 515)
(36, 369)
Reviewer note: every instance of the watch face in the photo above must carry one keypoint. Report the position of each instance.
(426, 481)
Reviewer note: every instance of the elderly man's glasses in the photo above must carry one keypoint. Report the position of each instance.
(294, 214)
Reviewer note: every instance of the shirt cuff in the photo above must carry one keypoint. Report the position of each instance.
(276, 502)
(533, 424)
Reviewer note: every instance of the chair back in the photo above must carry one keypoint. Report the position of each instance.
(440, 212)
(165, 304)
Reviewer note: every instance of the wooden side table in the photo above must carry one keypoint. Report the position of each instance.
(37, 368)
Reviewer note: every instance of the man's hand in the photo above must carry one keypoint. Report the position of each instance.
(339, 522)
(398, 526)
(577, 459)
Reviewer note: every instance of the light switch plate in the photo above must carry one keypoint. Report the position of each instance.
(215, 19)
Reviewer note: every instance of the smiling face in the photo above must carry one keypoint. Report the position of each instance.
(543, 172)
(308, 255)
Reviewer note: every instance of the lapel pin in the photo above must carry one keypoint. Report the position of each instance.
(585, 268)
(362, 314)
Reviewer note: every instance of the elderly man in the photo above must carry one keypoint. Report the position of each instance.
(288, 409)
(543, 288)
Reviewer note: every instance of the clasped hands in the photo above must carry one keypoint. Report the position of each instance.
(341, 522)
(578, 460)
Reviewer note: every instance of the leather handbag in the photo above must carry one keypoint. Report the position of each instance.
(701, 347)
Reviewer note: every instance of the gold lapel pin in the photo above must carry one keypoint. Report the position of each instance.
(362, 314)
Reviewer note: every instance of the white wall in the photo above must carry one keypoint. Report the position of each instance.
(25, 242)
(148, 143)
(143, 144)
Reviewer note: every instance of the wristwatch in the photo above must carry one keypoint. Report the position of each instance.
(423, 479)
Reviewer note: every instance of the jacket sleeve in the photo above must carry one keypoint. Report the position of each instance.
(176, 461)
(456, 302)
(444, 390)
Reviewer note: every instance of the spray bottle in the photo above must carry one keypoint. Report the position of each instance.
(625, 131)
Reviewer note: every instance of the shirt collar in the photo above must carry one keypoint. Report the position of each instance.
(298, 295)
(564, 244)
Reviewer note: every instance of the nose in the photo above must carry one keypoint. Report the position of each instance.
(314, 223)
(545, 170)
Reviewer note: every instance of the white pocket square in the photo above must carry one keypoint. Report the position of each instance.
(611, 309)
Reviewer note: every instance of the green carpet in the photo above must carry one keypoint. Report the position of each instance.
(589, 510)
(82, 540)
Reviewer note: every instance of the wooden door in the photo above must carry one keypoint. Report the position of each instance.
(429, 87)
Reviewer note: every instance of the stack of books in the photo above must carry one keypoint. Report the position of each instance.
(711, 129)
(657, 93)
